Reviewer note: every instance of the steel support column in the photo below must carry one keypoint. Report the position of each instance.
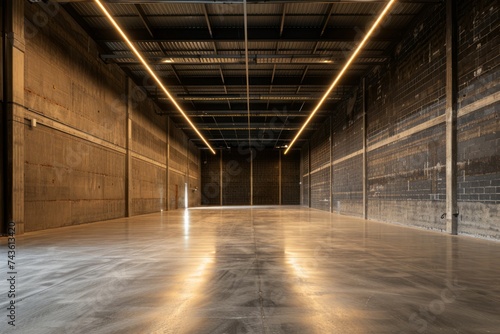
(279, 177)
(128, 157)
(365, 174)
(13, 102)
(451, 117)
(221, 177)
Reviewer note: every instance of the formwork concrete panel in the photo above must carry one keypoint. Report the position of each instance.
(176, 191)
(77, 175)
(148, 187)
(65, 81)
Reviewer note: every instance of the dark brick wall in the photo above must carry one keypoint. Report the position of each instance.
(406, 147)
(290, 178)
(210, 179)
(407, 175)
(235, 178)
(347, 133)
(320, 168)
(479, 119)
(236, 170)
(266, 180)
(304, 161)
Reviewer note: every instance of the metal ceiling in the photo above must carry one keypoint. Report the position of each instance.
(295, 48)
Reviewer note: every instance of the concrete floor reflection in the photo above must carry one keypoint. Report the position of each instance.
(253, 270)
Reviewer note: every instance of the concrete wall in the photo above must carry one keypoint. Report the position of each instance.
(405, 134)
(99, 150)
(148, 150)
(3, 138)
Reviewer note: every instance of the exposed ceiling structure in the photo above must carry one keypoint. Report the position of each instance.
(295, 49)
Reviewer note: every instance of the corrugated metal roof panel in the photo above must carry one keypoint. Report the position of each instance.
(187, 67)
(86, 9)
(335, 45)
(126, 22)
(297, 45)
(124, 60)
(147, 46)
(357, 8)
(224, 9)
(115, 46)
(181, 21)
(263, 8)
(172, 8)
(307, 8)
(187, 46)
(230, 46)
(255, 46)
(407, 8)
(121, 9)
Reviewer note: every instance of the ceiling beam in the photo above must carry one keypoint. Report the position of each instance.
(334, 63)
(244, 127)
(313, 81)
(236, 34)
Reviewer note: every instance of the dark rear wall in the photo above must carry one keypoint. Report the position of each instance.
(230, 177)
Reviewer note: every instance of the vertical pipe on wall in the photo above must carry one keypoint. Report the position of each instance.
(451, 118)
(365, 175)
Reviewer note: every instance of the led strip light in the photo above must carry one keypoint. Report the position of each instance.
(344, 69)
(152, 73)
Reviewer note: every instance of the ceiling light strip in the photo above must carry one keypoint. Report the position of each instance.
(152, 73)
(344, 69)
(245, 19)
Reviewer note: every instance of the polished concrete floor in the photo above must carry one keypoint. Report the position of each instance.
(252, 270)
